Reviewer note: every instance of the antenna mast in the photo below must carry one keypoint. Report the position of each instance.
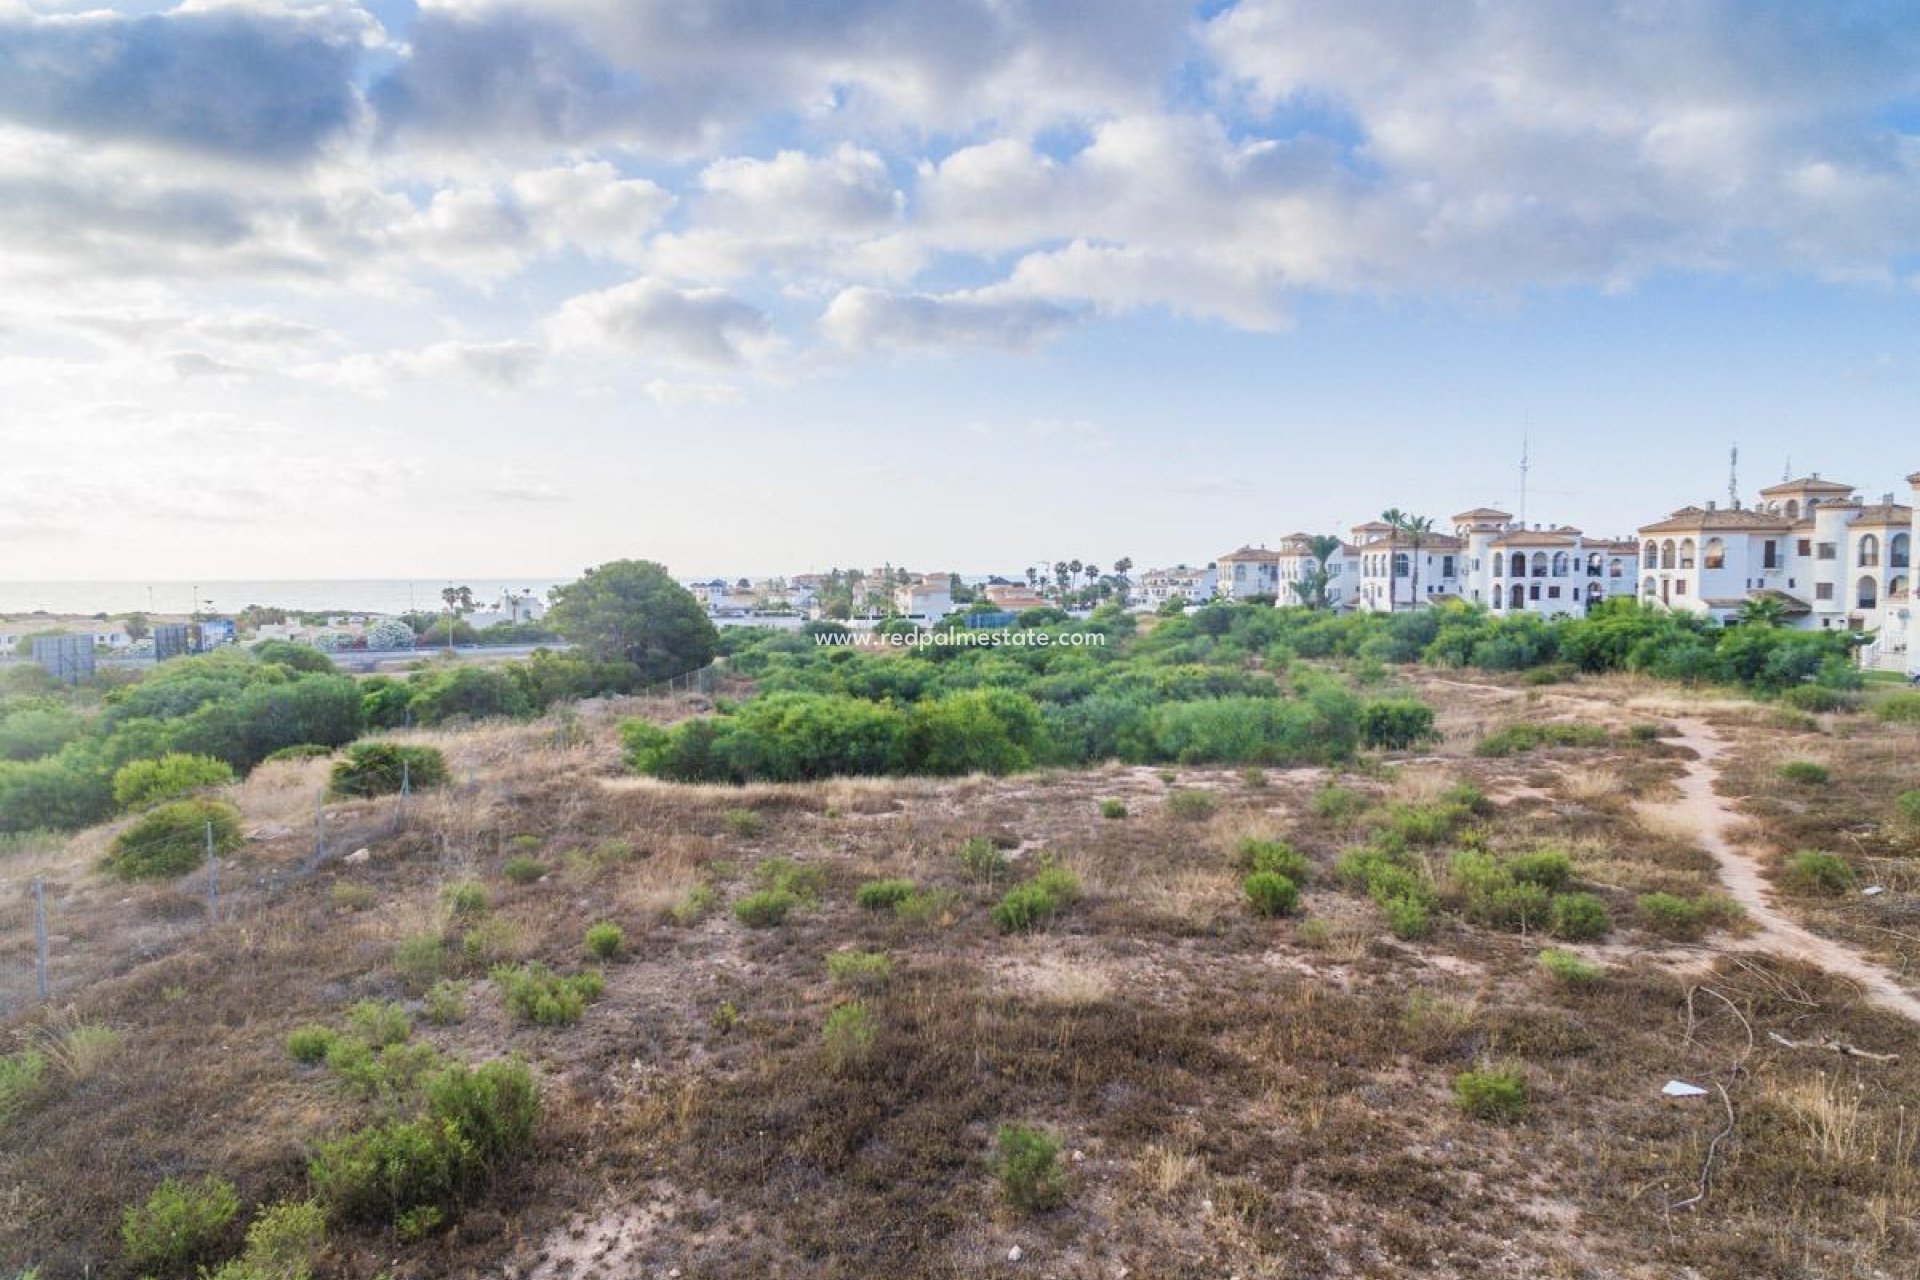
(1733, 477)
(1525, 465)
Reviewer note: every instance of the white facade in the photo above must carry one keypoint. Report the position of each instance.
(1550, 572)
(1250, 571)
(1297, 565)
(1157, 586)
(1833, 562)
(1386, 577)
(928, 598)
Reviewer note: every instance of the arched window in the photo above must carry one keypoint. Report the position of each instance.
(1793, 508)
(1559, 564)
(1868, 591)
(1499, 565)
(1686, 553)
(1650, 588)
(1666, 554)
(1898, 587)
(1716, 554)
(1517, 599)
(1539, 564)
(1869, 552)
(1616, 568)
(1900, 551)
(1650, 556)
(1519, 564)
(1400, 563)
(1593, 565)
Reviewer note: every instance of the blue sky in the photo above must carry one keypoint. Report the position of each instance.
(488, 286)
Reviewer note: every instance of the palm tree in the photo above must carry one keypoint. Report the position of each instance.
(1312, 589)
(1762, 611)
(459, 600)
(1415, 528)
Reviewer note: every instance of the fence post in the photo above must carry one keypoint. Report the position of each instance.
(213, 878)
(319, 826)
(40, 934)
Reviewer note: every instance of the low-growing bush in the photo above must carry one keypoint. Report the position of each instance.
(1192, 806)
(1550, 869)
(784, 875)
(1805, 773)
(882, 895)
(309, 1044)
(1112, 809)
(1899, 708)
(605, 941)
(938, 906)
(982, 860)
(1578, 917)
(1492, 1091)
(1276, 856)
(700, 900)
(1530, 735)
(1816, 699)
(378, 1023)
(383, 768)
(181, 1223)
(172, 839)
(284, 1242)
(860, 970)
(1908, 807)
(1671, 916)
(523, 869)
(467, 899)
(1569, 969)
(1034, 904)
(1031, 1178)
(848, 1035)
(1408, 919)
(446, 1003)
(1395, 724)
(1271, 894)
(1338, 804)
(420, 960)
(766, 908)
(745, 823)
(538, 995)
(1825, 874)
(140, 783)
(20, 1075)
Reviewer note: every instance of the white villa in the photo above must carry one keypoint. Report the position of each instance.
(1157, 586)
(1250, 571)
(1385, 568)
(1553, 572)
(1831, 560)
(927, 597)
(1297, 564)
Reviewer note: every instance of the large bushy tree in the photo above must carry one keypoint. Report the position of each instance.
(631, 611)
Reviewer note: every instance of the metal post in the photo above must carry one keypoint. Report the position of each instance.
(213, 878)
(40, 933)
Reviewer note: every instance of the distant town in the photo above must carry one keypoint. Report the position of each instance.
(1807, 552)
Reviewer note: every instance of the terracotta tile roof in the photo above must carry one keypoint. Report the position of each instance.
(1250, 553)
(1885, 513)
(1535, 538)
(1482, 513)
(1697, 519)
(1806, 484)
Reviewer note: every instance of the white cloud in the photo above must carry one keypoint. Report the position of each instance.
(650, 317)
(679, 395)
(864, 319)
(496, 366)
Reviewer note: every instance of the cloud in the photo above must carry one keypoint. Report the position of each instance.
(651, 317)
(864, 319)
(268, 85)
(496, 366)
(679, 395)
(523, 489)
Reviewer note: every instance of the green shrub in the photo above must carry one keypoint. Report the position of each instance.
(1671, 916)
(861, 970)
(1424, 824)
(446, 1003)
(1031, 1178)
(141, 783)
(308, 1045)
(1569, 969)
(1530, 735)
(1549, 869)
(882, 895)
(1271, 894)
(1057, 883)
(939, 906)
(1815, 699)
(982, 860)
(745, 823)
(1409, 919)
(1578, 917)
(467, 899)
(284, 1243)
(1276, 856)
(420, 960)
(1395, 724)
(1900, 708)
(1191, 806)
(524, 870)
(538, 995)
(700, 900)
(180, 1223)
(1825, 874)
(20, 1075)
(1253, 778)
(784, 875)
(1112, 809)
(1493, 1091)
(298, 751)
(849, 1035)
(351, 895)
(1908, 807)
(172, 839)
(1024, 908)
(1805, 773)
(1338, 804)
(380, 768)
(605, 941)
(765, 909)
(378, 1023)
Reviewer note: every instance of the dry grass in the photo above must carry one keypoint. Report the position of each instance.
(1592, 785)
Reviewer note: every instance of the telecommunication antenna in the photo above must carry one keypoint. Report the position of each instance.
(1733, 477)
(1526, 464)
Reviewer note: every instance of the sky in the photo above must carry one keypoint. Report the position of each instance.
(498, 287)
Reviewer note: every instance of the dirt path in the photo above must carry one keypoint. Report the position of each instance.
(1709, 816)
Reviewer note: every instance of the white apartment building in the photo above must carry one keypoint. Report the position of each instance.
(1250, 571)
(1157, 586)
(1385, 559)
(1297, 565)
(1833, 562)
(925, 598)
(1553, 571)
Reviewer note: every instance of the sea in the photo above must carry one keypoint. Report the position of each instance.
(327, 595)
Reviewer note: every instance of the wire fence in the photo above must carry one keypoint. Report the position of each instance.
(701, 680)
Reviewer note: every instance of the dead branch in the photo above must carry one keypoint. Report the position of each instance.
(1713, 1150)
(1832, 1045)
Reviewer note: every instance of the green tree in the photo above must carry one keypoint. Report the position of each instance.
(1312, 589)
(631, 611)
(1762, 611)
(1415, 529)
(136, 626)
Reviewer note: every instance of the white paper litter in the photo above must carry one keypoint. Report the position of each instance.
(1681, 1089)
(1873, 890)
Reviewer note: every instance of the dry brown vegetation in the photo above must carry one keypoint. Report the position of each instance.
(1233, 1096)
